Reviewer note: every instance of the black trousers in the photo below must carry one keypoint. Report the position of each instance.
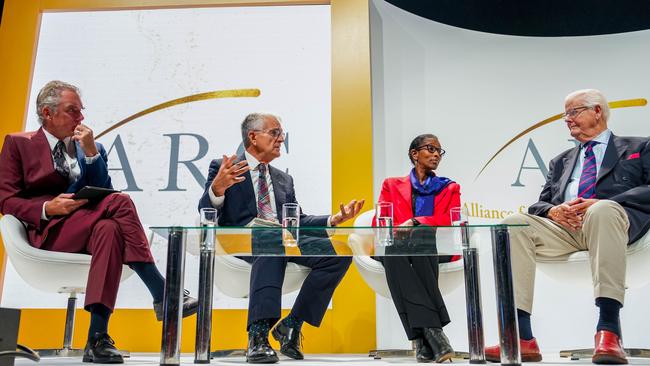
(413, 283)
(267, 276)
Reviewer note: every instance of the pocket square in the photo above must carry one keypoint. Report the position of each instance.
(634, 156)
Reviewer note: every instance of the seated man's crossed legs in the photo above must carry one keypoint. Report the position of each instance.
(111, 232)
(604, 234)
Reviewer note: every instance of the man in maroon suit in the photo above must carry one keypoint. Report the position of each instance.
(39, 173)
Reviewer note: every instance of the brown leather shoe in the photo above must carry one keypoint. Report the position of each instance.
(529, 352)
(608, 349)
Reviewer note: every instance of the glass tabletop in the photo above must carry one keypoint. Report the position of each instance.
(334, 241)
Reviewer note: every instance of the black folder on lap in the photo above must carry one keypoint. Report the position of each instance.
(93, 193)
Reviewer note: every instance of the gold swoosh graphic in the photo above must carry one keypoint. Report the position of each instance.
(233, 93)
(640, 102)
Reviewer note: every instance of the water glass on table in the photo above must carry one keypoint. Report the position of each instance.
(459, 218)
(384, 224)
(208, 223)
(290, 224)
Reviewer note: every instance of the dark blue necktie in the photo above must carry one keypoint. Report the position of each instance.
(587, 187)
(60, 165)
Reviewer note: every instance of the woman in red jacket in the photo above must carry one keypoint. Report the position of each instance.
(420, 198)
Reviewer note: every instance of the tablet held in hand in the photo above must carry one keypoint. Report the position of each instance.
(93, 193)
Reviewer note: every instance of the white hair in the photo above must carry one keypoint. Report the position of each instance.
(591, 98)
(50, 96)
(254, 122)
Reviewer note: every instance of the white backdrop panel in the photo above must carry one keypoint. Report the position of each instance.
(476, 91)
(127, 61)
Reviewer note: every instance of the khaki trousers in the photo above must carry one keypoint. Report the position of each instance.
(604, 235)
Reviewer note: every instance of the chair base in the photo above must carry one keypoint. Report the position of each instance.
(377, 354)
(227, 353)
(576, 354)
(60, 352)
(70, 352)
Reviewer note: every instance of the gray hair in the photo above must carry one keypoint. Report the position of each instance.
(592, 98)
(50, 96)
(254, 122)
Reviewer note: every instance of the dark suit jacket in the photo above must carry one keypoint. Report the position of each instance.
(28, 179)
(240, 205)
(624, 177)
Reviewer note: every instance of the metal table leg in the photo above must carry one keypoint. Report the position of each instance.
(204, 315)
(473, 304)
(173, 299)
(506, 310)
(473, 299)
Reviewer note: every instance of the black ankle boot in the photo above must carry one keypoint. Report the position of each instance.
(423, 352)
(439, 344)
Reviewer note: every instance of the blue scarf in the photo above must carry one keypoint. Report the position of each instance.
(425, 193)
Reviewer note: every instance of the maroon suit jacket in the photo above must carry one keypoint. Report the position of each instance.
(28, 179)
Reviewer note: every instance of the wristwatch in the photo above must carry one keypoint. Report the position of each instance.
(415, 221)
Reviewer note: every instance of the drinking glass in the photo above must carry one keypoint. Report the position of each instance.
(290, 224)
(459, 218)
(384, 222)
(208, 223)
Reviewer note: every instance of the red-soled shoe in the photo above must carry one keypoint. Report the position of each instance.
(608, 349)
(529, 352)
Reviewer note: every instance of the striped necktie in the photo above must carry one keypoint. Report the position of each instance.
(60, 165)
(264, 209)
(587, 186)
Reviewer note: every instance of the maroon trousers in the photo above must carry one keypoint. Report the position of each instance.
(111, 232)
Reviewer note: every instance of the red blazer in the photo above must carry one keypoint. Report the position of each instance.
(398, 191)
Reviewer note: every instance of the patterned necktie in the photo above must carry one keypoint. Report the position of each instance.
(264, 209)
(60, 165)
(587, 186)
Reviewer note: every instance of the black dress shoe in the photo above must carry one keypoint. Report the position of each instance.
(439, 344)
(190, 306)
(259, 350)
(101, 349)
(423, 352)
(289, 339)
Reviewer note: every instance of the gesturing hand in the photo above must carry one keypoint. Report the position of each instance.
(228, 175)
(84, 135)
(62, 205)
(347, 212)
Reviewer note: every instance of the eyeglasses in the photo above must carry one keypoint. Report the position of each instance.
(432, 149)
(274, 132)
(574, 112)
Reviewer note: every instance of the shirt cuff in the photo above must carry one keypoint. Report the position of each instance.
(91, 159)
(217, 202)
(329, 221)
(43, 215)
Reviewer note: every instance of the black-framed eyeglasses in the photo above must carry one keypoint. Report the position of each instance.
(574, 112)
(274, 132)
(432, 149)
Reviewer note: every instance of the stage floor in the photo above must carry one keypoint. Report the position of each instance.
(310, 360)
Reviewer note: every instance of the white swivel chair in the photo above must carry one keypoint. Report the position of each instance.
(373, 273)
(576, 271)
(64, 273)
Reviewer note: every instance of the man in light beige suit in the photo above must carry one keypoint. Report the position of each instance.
(596, 199)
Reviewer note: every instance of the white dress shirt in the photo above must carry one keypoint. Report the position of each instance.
(571, 192)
